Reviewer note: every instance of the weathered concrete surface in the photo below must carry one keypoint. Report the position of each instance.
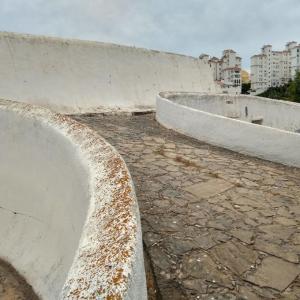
(69, 220)
(74, 75)
(240, 243)
(223, 120)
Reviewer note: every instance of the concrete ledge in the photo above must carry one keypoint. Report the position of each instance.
(226, 121)
(69, 219)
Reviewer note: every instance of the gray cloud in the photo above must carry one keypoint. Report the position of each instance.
(191, 26)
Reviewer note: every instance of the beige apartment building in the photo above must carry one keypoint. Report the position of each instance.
(226, 71)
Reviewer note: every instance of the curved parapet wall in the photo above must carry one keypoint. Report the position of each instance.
(79, 76)
(68, 212)
(255, 126)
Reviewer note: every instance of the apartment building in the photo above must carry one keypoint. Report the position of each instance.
(226, 70)
(295, 60)
(274, 68)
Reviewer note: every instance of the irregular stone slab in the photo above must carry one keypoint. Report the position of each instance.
(296, 239)
(178, 246)
(167, 224)
(198, 285)
(252, 177)
(160, 258)
(209, 188)
(200, 266)
(285, 221)
(286, 252)
(293, 291)
(204, 241)
(249, 183)
(235, 256)
(170, 291)
(245, 201)
(275, 232)
(221, 222)
(245, 236)
(267, 213)
(274, 273)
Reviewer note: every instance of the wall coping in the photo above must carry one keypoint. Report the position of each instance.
(74, 41)
(167, 94)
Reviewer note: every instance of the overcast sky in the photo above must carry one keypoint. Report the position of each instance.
(184, 26)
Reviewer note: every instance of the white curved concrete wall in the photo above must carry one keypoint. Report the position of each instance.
(69, 220)
(221, 120)
(274, 113)
(79, 76)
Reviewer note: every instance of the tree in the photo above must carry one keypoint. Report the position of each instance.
(289, 91)
(279, 92)
(246, 86)
(294, 88)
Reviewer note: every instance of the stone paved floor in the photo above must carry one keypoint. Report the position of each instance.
(216, 224)
(13, 286)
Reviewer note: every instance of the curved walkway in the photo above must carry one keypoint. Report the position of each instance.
(216, 224)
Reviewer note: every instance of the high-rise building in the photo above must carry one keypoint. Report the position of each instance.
(295, 60)
(227, 71)
(274, 68)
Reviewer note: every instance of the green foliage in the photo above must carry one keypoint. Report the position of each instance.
(289, 92)
(294, 88)
(246, 88)
(280, 92)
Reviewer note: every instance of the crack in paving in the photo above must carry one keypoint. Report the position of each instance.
(21, 214)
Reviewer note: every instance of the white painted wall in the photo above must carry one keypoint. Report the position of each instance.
(275, 113)
(59, 199)
(43, 180)
(202, 117)
(80, 76)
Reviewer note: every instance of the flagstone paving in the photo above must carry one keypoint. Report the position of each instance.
(216, 224)
(13, 286)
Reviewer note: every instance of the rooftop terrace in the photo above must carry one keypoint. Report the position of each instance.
(216, 224)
